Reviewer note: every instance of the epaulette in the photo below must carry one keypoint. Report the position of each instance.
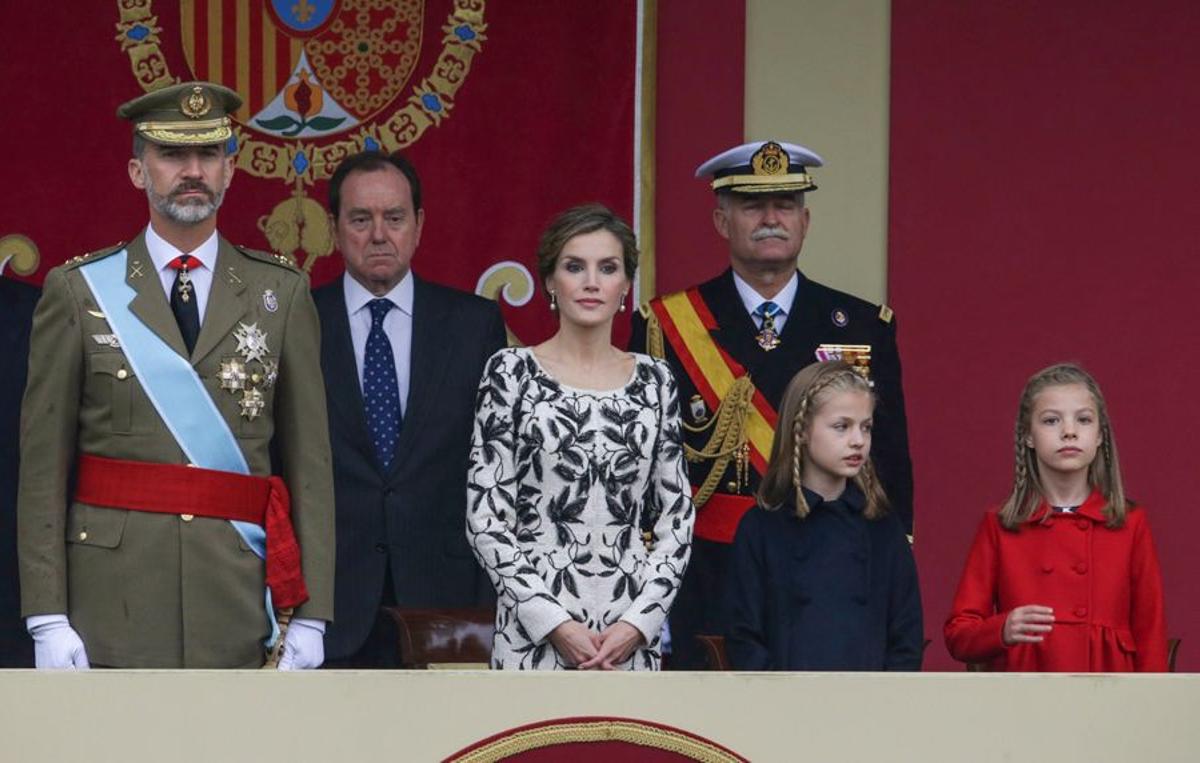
(283, 260)
(75, 262)
(886, 313)
(644, 309)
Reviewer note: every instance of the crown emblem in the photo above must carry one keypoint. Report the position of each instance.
(771, 159)
(195, 103)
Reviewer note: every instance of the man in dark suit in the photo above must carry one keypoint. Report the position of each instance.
(736, 341)
(16, 311)
(402, 359)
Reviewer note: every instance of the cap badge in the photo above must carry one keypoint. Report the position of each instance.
(771, 159)
(195, 103)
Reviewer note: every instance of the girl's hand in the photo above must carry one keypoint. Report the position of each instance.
(575, 643)
(617, 642)
(1027, 625)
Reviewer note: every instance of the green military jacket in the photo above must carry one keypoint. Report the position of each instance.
(150, 590)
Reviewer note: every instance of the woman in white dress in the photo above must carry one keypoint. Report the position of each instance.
(575, 442)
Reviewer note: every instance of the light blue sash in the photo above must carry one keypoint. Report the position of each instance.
(175, 391)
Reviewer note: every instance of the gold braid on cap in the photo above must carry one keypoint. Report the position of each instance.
(797, 181)
(728, 441)
(198, 133)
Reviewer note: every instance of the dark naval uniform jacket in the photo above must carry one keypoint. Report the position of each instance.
(149, 590)
(818, 315)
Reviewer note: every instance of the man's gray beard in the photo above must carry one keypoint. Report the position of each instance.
(185, 214)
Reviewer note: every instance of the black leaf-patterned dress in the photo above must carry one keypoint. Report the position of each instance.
(558, 482)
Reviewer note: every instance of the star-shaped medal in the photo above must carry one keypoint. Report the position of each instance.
(251, 342)
(270, 372)
(252, 403)
(232, 374)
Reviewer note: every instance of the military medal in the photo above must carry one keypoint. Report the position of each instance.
(270, 302)
(184, 283)
(839, 318)
(252, 403)
(857, 355)
(699, 409)
(251, 342)
(270, 372)
(232, 374)
(767, 337)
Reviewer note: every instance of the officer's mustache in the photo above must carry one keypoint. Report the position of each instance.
(192, 187)
(770, 231)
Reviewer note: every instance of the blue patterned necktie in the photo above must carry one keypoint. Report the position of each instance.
(768, 336)
(380, 388)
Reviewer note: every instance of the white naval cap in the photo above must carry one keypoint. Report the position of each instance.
(764, 166)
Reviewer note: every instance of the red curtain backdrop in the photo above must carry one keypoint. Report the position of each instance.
(543, 119)
(1043, 172)
(701, 90)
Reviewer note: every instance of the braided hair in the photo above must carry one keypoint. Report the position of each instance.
(804, 396)
(1104, 473)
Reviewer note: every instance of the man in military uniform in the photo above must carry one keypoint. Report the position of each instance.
(169, 379)
(736, 341)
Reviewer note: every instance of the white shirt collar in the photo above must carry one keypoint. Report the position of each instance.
(752, 299)
(357, 295)
(162, 252)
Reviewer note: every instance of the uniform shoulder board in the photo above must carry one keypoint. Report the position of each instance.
(75, 262)
(274, 258)
(886, 313)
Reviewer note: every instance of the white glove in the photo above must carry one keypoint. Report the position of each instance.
(56, 645)
(304, 645)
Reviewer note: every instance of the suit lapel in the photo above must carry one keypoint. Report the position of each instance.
(150, 304)
(340, 369)
(225, 304)
(426, 363)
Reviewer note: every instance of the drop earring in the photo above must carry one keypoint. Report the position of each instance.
(621, 307)
(553, 302)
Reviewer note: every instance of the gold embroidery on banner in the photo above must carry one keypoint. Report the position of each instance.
(19, 253)
(463, 34)
(641, 734)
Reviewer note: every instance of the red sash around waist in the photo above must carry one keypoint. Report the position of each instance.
(187, 490)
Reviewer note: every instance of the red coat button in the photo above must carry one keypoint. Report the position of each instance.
(1047, 568)
(1081, 611)
(1081, 568)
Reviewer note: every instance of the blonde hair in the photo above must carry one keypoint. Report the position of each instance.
(1104, 473)
(804, 396)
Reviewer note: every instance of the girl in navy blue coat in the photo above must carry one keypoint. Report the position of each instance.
(822, 576)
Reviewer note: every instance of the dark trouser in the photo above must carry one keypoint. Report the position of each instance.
(699, 607)
(381, 650)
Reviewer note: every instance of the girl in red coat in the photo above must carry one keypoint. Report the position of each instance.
(1063, 577)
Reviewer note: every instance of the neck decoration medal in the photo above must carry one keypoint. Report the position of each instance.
(767, 337)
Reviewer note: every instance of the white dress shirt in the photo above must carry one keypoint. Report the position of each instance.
(752, 300)
(161, 254)
(397, 324)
